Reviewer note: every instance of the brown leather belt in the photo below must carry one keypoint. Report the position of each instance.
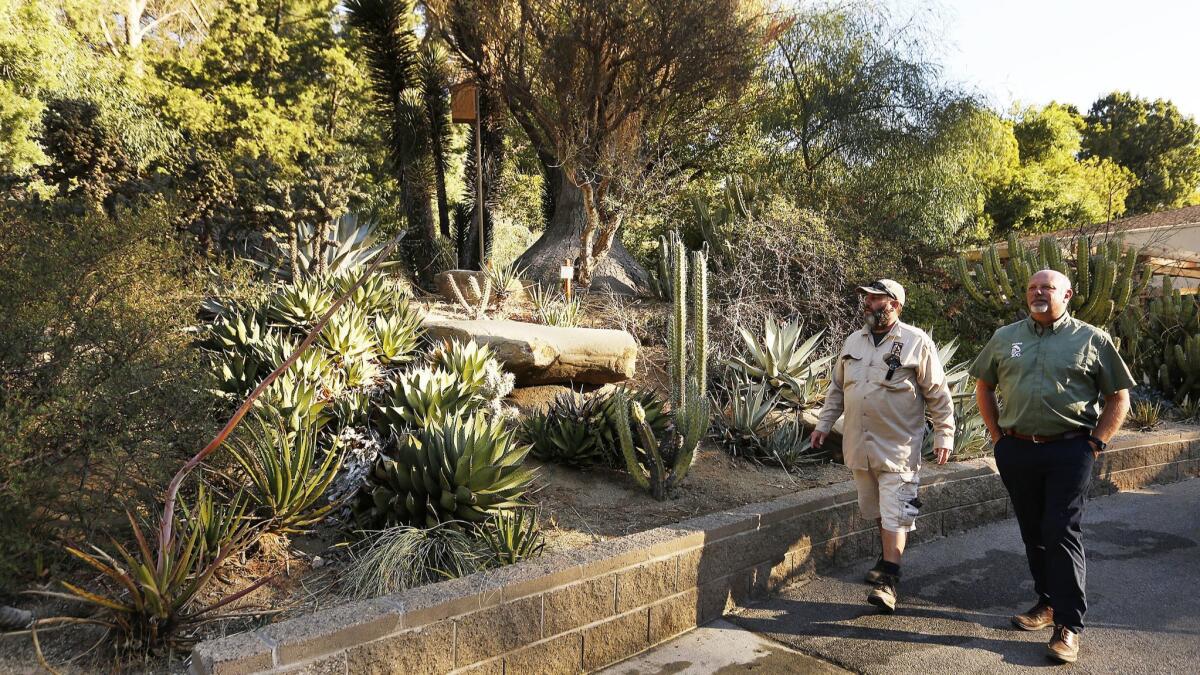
(1047, 439)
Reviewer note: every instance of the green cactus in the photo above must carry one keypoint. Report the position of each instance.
(1104, 282)
(1162, 344)
(670, 456)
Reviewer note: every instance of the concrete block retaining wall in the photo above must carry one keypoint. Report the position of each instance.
(583, 610)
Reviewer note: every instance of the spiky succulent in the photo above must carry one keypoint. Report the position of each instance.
(315, 366)
(299, 306)
(569, 432)
(463, 467)
(420, 397)
(348, 335)
(466, 360)
(236, 374)
(782, 358)
(398, 331)
(745, 423)
(238, 330)
(376, 295)
(299, 403)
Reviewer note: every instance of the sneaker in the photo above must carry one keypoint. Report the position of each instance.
(883, 595)
(1038, 617)
(874, 574)
(1064, 646)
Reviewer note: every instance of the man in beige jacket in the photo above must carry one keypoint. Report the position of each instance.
(884, 380)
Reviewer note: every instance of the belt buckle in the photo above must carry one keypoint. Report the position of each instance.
(1040, 439)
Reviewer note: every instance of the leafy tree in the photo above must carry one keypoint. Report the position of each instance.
(603, 89)
(1153, 140)
(1052, 189)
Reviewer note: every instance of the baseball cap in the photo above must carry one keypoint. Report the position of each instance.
(885, 287)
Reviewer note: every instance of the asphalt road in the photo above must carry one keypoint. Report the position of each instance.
(957, 595)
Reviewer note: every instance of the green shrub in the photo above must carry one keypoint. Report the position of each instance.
(97, 381)
(402, 557)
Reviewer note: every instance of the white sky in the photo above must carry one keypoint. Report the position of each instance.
(1071, 51)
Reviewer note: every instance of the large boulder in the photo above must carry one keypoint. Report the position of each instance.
(537, 354)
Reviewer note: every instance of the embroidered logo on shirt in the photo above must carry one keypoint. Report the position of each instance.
(1016, 350)
(896, 347)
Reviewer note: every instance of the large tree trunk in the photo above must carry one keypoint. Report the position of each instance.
(617, 271)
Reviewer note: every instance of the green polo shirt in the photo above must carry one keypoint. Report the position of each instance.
(1051, 379)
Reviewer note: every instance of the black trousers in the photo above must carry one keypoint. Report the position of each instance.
(1048, 484)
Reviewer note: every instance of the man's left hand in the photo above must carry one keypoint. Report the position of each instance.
(942, 454)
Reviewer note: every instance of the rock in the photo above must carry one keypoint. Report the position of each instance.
(833, 442)
(537, 354)
(461, 277)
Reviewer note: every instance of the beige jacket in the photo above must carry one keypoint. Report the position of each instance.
(885, 419)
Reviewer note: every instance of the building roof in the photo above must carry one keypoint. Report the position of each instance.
(1188, 215)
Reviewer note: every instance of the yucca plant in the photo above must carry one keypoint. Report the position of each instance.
(398, 332)
(782, 357)
(513, 536)
(466, 360)
(286, 472)
(348, 335)
(299, 305)
(553, 308)
(568, 433)
(421, 397)
(463, 467)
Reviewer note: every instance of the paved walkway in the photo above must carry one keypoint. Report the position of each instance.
(957, 594)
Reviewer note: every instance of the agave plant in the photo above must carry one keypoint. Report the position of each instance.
(398, 332)
(568, 433)
(554, 309)
(348, 335)
(513, 536)
(219, 521)
(356, 244)
(286, 472)
(503, 278)
(352, 409)
(782, 358)
(316, 367)
(236, 374)
(745, 422)
(299, 305)
(376, 295)
(789, 445)
(466, 360)
(462, 467)
(421, 397)
(360, 372)
(150, 600)
(238, 330)
(300, 403)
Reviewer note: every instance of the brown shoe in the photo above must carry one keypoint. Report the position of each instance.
(1064, 646)
(1038, 617)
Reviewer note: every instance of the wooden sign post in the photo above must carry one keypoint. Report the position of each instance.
(464, 107)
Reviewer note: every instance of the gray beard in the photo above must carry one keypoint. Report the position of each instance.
(876, 320)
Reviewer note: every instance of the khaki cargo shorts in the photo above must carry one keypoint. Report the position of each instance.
(889, 496)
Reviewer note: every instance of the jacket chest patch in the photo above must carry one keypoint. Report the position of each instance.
(1016, 350)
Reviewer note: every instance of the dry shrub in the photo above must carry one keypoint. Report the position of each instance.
(786, 263)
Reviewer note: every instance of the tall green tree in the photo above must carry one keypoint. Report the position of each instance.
(1160, 145)
(1053, 189)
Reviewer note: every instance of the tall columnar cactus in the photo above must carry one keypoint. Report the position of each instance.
(671, 456)
(1104, 282)
(1161, 344)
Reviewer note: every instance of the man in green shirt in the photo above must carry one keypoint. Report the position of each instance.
(1052, 371)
